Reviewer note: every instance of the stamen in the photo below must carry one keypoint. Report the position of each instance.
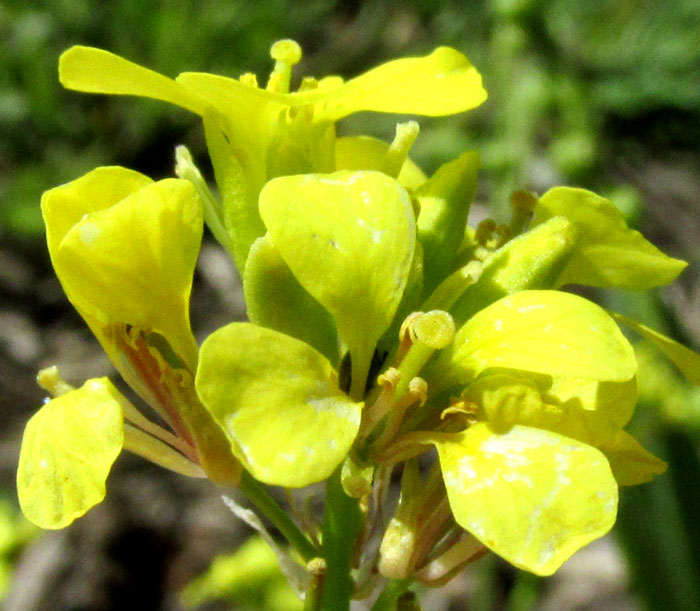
(522, 204)
(375, 411)
(150, 448)
(308, 83)
(249, 79)
(442, 569)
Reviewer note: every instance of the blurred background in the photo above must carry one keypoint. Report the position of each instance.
(603, 95)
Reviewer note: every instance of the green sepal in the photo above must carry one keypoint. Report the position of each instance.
(277, 400)
(239, 180)
(687, 361)
(68, 449)
(530, 261)
(608, 252)
(275, 299)
(444, 201)
(532, 496)
(549, 332)
(349, 239)
(631, 464)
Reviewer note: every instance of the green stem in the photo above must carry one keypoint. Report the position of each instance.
(389, 597)
(341, 523)
(259, 497)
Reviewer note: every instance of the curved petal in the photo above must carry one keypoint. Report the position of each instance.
(587, 410)
(97, 71)
(349, 239)
(132, 262)
(67, 452)
(275, 299)
(62, 207)
(549, 332)
(531, 496)
(441, 83)
(278, 401)
(631, 464)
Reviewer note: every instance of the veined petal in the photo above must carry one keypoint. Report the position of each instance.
(277, 400)
(131, 262)
(441, 83)
(531, 496)
(608, 252)
(68, 449)
(549, 332)
(349, 239)
(97, 71)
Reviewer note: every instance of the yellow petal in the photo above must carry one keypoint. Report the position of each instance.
(97, 71)
(132, 262)
(531, 496)
(441, 83)
(68, 449)
(62, 207)
(549, 332)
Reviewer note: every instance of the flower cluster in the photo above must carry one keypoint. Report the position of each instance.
(381, 324)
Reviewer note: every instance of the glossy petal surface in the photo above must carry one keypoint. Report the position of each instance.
(548, 332)
(348, 238)
(131, 260)
(278, 401)
(532, 496)
(441, 83)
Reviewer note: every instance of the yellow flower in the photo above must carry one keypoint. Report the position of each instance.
(256, 134)
(124, 248)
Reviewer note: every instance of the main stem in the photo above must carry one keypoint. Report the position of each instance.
(341, 524)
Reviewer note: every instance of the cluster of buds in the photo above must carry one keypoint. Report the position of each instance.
(385, 332)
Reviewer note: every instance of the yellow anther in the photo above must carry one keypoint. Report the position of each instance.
(418, 389)
(484, 231)
(249, 79)
(308, 83)
(391, 377)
